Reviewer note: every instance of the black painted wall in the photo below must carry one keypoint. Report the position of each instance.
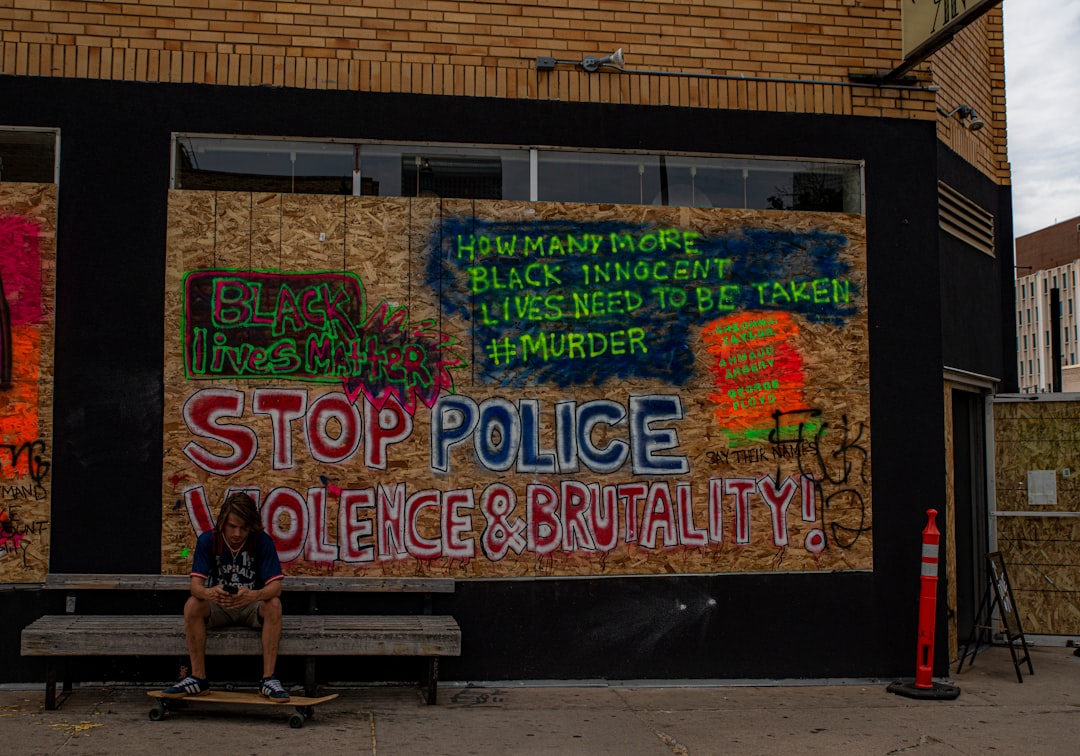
(978, 291)
(108, 382)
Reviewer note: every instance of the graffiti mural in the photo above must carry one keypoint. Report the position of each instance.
(27, 255)
(497, 389)
(557, 302)
(311, 328)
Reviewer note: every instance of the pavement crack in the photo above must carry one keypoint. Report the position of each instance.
(676, 747)
(923, 740)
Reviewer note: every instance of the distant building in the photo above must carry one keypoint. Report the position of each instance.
(1050, 260)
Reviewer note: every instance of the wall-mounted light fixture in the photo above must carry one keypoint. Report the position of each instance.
(965, 113)
(589, 63)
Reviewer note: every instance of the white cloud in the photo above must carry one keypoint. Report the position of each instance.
(1042, 88)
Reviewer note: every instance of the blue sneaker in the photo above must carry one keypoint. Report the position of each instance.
(272, 689)
(189, 686)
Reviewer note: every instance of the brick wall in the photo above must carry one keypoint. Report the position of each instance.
(971, 71)
(820, 39)
(488, 49)
(1050, 247)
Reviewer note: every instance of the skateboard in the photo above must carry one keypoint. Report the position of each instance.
(305, 707)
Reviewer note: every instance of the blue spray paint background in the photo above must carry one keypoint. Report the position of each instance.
(755, 256)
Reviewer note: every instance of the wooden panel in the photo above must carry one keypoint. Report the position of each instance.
(313, 232)
(190, 240)
(265, 230)
(377, 247)
(139, 635)
(425, 215)
(1042, 551)
(27, 321)
(232, 233)
(1049, 612)
(950, 525)
(768, 391)
(1044, 568)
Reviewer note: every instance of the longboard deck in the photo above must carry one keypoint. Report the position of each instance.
(237, 697)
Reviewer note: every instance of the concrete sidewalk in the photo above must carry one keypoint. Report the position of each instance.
(993, 712)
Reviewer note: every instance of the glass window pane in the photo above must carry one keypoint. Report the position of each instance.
(803, 186)
(598, 177)
(702, 182)
(692, 181)
(328, 168)
(473, 173)
(470, 172)
(263, 165)
(28, 156)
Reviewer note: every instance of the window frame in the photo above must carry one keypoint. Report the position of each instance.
(534, 154)
(55, 131)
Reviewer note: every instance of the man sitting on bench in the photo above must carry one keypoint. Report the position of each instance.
(235, 580)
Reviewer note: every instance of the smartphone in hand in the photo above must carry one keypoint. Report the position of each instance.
(231, 589)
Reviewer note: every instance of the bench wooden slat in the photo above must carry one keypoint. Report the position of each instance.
(72, 581)
(302, 635)
(309, 635)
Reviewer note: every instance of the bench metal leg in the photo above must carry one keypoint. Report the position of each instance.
(433, 680)
(50, 685)
(52, 703)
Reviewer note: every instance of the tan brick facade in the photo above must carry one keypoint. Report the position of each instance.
(971, 71)
(488, 49)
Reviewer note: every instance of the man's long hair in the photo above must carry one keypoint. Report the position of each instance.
(241, 506)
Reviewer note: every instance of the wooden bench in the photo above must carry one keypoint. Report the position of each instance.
(59, 637)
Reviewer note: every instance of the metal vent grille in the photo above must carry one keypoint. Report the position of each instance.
(965, 220)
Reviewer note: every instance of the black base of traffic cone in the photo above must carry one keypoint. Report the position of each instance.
(939, 691)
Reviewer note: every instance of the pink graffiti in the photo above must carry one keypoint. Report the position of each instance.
(10, 537)
(10, 541)
(20, 268)
(332, 487)
(315, 327)
(20, 303)
(414, 360)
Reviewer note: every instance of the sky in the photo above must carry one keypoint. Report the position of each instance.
(1042, 91)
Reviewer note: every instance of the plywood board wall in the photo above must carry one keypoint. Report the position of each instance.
(489, 389)
(1038, 538)
(27, 287)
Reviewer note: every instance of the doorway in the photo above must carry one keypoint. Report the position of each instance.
(971, 531)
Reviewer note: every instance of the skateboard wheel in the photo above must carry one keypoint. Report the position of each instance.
(296, 721)
(157, 713)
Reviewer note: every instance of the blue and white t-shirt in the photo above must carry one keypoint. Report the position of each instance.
(252, 567)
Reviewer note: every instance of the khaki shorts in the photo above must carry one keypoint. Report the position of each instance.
(245, 616)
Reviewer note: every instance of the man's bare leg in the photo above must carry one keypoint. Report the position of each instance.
(270, 614)
(196, 612)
